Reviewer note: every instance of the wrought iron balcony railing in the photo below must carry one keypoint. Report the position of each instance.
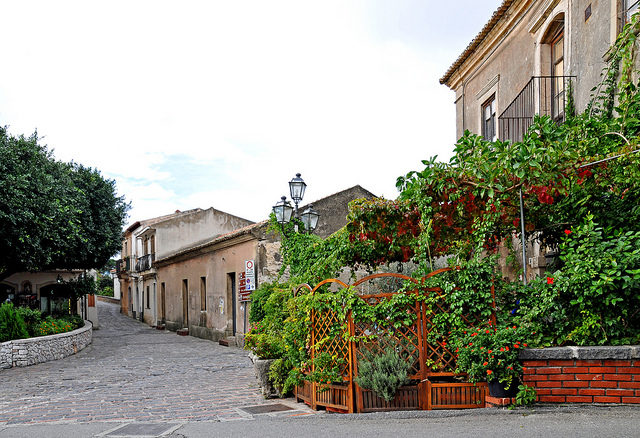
(123, 265)
(145, 262)
(543, 95)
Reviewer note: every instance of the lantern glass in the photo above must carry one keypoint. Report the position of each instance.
(310, 219)
(283, 211)
(297, 187)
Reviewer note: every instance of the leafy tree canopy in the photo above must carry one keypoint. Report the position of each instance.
(54, 214)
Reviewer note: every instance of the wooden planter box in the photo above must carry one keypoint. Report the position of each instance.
(456, 395)
(425, 395)
(333, 397)
(407, 398)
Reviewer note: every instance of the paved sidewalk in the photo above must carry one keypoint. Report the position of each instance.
(132, 372)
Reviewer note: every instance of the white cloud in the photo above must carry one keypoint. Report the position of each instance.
(256, 91)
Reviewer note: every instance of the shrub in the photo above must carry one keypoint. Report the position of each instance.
(491, 353)
(383, 373)
(31, 317)
(106, 291)
(264, 343)
(594, 299)
(12, 326)
(53, 326)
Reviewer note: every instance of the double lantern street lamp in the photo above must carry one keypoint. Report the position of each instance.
(283, 209)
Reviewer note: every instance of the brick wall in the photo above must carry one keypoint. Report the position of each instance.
(587, 375)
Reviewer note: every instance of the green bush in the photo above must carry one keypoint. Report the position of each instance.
(12, 326)
(106, 291)
(383, 373)
(491, 353)
(264, 343)
(31, 318)
(594, 298)
(53, 326)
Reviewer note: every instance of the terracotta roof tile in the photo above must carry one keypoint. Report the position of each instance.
(473, 45)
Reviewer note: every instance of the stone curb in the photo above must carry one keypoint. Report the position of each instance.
(31, 351)
(582, 353)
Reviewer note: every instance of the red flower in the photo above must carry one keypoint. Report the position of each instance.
(485, 364)
(524, 345)
(490, 351)
(489, 372)
(567, 232)
(488, 331)
(501, 348)
(549, 280)
(516, 346)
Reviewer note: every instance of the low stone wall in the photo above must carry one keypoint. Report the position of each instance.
(108, 299)
(584, 374)
(25, 352)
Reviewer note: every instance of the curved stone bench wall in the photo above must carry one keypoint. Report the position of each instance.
(584, 374)
(25, 352)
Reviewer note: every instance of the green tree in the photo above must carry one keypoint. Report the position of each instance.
(53, 214)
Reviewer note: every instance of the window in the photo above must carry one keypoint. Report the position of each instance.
(148, 307)
(630, 8)
(557, 71)
(203, 293)
(489, 119)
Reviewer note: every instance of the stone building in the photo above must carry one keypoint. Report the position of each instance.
(39, 290)
(203, 287)
(527, 60)
(147, 240)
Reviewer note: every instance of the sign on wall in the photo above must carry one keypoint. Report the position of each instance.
(247, 281)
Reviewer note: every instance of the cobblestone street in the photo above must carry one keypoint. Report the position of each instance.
(132, 372)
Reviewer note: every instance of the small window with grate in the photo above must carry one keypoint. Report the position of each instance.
(630, 8)
(489, 119)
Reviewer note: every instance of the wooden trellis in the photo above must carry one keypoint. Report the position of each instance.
(431, 362)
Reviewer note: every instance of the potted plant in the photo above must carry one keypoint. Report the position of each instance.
(490, 354)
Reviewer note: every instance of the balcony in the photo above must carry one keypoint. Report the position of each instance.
(543, 95)
(145, 262)
(123, 265)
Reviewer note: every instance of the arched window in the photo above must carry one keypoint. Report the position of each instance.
(554, 90)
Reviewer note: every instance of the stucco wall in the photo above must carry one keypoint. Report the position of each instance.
(515, 50)
(185, 231)
(216, 266)
(25, 352)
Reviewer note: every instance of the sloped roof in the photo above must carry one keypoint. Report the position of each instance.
(473, 45)
(155, 220)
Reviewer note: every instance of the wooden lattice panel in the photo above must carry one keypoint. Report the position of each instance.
(325, 325)
(428, 351)
(404, 339)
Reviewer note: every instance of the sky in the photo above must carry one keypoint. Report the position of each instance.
(219, 104)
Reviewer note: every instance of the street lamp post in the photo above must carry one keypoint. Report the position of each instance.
(297, 187)
(284, 211)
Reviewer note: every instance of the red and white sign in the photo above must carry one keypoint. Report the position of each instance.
(247, 282)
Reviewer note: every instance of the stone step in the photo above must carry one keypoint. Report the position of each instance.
(183, 331)
(228, 341)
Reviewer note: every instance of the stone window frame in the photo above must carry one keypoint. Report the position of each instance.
(488, 92)
(488, 125)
